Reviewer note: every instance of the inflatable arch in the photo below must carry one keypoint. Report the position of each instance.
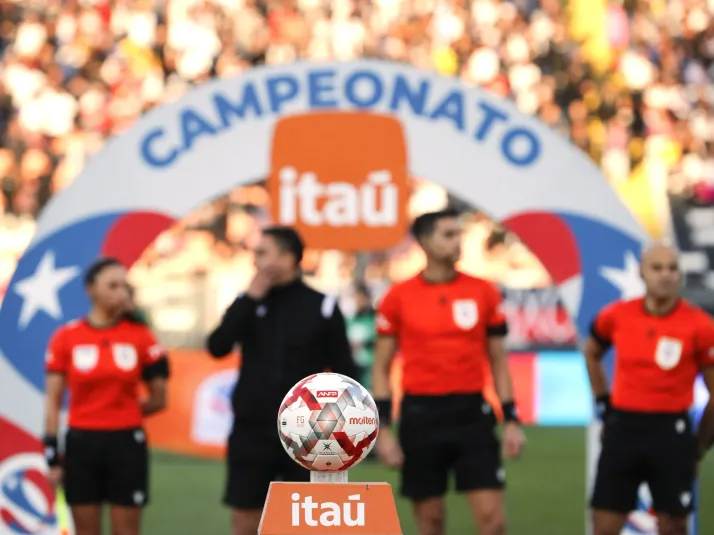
(368, 122)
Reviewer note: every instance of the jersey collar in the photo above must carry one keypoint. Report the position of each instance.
(667, 312)
(284, 288)
(104, 327)
(428, 282)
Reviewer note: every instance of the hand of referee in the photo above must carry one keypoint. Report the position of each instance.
(55, 476)
(514, 440)
(389, 451)
(259, 286)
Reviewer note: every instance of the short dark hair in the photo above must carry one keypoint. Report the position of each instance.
(99, 265)
(425, 224)
(288, 240)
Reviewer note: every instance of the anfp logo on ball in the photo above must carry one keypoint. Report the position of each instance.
(341, 179)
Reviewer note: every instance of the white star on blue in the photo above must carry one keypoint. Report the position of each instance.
(46, 291)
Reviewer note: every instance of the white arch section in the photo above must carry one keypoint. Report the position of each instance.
(218, 137)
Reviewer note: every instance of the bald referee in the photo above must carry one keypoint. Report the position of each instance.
(661, 343)
(286, 331)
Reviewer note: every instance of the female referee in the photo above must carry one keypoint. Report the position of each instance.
(101, 360)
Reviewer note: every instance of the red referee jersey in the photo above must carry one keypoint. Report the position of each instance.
(103, 368)
(657, 358)
(442, 332)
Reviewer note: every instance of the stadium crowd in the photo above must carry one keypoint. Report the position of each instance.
(75, 72)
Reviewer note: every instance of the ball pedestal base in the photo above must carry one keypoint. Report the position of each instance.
(328, 477)
(329, 505)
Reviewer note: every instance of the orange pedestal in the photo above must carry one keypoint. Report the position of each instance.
(330, 509)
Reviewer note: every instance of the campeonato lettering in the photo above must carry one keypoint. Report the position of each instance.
(304, 511)
(324, 89)
(374, 203)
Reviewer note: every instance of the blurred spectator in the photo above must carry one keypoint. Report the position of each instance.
(361, 333)
(636, 96)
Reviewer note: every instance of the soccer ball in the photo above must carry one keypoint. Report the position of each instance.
(328, 422)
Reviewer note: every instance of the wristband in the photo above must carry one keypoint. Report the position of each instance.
(384, 409)
(510, 414)
(602, 406)
(51, 450)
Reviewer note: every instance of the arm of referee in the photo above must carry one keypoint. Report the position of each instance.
(496, 332)
(155, 372)
(705, 359)
(338, 351)
(594, 349)
(235, 324)
(57, 360)
(705, 434)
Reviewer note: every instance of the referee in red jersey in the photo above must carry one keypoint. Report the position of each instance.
(101, 360)
(661, 343)
(448, 327)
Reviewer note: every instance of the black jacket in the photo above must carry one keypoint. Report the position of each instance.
(293, 332)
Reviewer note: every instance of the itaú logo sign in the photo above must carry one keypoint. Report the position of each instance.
(329, 509)
(307, 512)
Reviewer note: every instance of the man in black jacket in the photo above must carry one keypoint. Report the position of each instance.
(286, 331)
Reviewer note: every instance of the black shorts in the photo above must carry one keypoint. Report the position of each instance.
(445, 434)
(657, 449)
(255, 458)
(106, 466)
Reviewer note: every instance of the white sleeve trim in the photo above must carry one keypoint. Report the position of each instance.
(329, 302)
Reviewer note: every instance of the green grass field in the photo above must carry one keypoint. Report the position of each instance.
(546, 493)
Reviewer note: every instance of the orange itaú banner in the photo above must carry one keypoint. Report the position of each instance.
(340, 185)
(329, 509)
(198, 415)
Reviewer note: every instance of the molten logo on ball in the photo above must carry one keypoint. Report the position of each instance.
(328, 422)
(363, 420)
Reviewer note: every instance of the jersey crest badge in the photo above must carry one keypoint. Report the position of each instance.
(85, 357)
(465, 313)
(668, 352)
(124, 356)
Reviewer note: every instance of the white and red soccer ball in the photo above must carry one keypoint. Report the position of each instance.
(328, 422)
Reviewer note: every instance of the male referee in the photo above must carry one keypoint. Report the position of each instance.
(286, 331)
(661, 343)
(449, 329)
